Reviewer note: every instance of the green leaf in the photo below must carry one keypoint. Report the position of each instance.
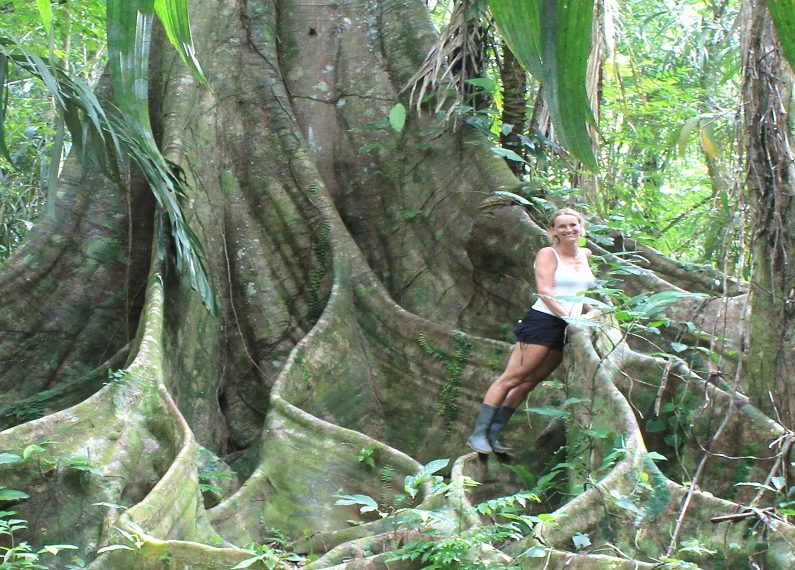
(129, 33)
(654, 456)
(549, 411)
(173, 15)
(782, 12)
(431, 468)
(112, 547)
(552, 40)
(571, 401)
(708, 141)
(367, 503)
(31, 449)
(397, 117)
(45, 12)
(247, 562)
(755, 485)
(534, 552)
(505, 153)
(12, 495)
(514, 197)
(9, 458)
(581, 540)
(54, 549)
(484, 83)
(628, 505)
(679, 347)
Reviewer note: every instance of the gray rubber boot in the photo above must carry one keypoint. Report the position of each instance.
(500, 419)
(479, 440)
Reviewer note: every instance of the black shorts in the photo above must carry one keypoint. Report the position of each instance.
(541, 328)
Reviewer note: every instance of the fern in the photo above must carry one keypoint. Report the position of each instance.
(321, 250)
(447, 403)
(387, 475)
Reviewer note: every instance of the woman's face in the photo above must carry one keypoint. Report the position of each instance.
(566, 228)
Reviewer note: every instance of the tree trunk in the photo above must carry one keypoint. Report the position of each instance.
(770, 153)
(364, 298)
(514, 107)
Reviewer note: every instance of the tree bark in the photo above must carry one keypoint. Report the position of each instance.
(514, 106)
(767, 96)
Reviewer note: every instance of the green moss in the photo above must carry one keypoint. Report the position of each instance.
(105, 251)
(229, 183)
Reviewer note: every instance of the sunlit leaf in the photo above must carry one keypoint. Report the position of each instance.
(54, 549)
(45, 12)
(112, 547)
(708, 142)
(366, 502)
(397, 117)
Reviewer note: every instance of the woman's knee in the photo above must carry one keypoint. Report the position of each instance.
(510, 381)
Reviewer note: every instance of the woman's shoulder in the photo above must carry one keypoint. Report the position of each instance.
(547, 252)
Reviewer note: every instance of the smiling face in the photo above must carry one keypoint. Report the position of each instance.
(566, 227)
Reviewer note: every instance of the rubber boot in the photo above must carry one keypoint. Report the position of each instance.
(500, 419)
(479, 440)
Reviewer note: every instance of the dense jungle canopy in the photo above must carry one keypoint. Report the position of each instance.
(254, 286)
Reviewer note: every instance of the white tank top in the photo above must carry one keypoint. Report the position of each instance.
(567, 282)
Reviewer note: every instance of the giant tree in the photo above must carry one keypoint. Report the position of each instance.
(362, 275)
(770, 152)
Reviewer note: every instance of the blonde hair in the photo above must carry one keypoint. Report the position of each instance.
(564, 212)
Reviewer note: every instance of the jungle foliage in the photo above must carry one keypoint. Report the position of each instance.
(303, 364)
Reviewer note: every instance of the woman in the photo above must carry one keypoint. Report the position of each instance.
(560, 271)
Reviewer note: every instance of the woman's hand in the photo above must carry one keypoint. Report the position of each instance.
(591, 313)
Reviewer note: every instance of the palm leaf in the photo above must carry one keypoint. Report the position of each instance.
(4, 106)
(114, 136)
(782, 12)
(45, 13)
(129, 25)
(173, 15)
(552, 40)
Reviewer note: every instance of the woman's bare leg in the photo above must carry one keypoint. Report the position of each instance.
(535, 377)
(515, 397)
(524, 360)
